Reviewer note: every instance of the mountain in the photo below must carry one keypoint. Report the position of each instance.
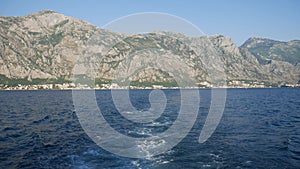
(267, 49)
(41, 46)
(44, 47)
(278, 58)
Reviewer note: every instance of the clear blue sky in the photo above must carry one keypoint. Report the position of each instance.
(239, 19)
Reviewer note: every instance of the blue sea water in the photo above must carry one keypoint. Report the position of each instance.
(260, 128)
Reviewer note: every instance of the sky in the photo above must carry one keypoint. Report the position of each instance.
(238, 19)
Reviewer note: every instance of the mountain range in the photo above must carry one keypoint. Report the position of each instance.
(48, 47)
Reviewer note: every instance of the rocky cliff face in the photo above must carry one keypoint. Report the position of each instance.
(44, 47)
(266, 49)
(279, 60)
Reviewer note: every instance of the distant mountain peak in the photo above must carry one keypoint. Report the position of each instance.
(268, 49)
(217, 36)
(253, 41)
(47, 11)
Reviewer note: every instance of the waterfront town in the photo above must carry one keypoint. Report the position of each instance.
(73, 86)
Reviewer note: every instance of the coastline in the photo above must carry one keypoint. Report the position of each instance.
(141, 88)
(108, 86)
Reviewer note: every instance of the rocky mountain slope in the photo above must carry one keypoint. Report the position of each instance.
(266, 50)
(44, 47)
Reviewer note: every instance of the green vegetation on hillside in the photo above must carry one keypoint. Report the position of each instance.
(11, 82)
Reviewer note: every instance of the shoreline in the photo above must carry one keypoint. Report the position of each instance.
(191, 88)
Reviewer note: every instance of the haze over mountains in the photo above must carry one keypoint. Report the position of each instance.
(45, 46)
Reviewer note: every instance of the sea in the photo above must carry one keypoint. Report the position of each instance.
(260, 128)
